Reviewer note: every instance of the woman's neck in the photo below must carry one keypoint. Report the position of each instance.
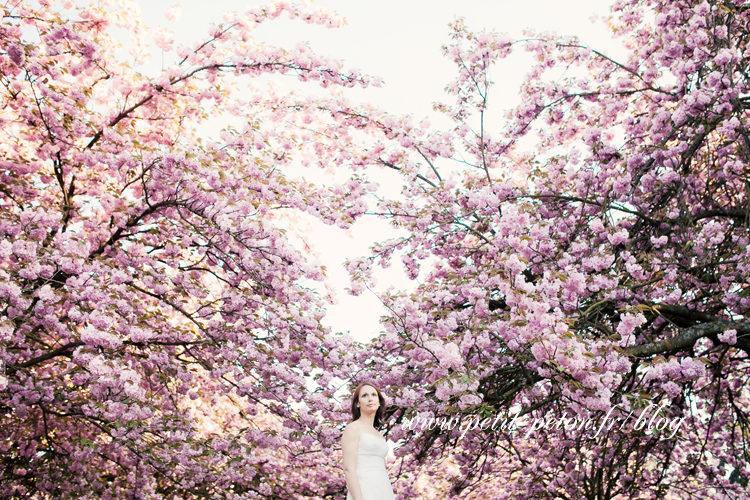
(367, 419)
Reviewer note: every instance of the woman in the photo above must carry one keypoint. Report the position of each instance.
(364, 449)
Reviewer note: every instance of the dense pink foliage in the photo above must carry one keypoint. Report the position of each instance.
(158, 335)
(603, 268)
(158, 330)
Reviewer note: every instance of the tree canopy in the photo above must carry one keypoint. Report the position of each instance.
(602, 271)
(587, 258)
(158, 326)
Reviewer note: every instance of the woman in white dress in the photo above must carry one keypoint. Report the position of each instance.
(364, 448)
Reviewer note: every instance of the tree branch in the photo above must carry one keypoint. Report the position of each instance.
(61, 351)
(688, 337)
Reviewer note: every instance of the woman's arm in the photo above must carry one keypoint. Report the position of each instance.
(349, 442)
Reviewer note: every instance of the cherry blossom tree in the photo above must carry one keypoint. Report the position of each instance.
(160, 335)
(583, 256)
(588, 258)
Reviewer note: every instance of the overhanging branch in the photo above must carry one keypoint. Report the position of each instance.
(689, 336)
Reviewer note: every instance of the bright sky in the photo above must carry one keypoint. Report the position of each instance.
(400, 41)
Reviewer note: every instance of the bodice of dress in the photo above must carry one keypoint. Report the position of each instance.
(372, 450)
(371, 472)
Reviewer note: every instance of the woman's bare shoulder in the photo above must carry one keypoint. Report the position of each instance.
(352, 430)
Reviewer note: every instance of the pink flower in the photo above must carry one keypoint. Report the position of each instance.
(672, 389)
(618, 237)
(728, 337)
(628, 323)
(173, 13)
(514, 265)
(596, 225)
(592, 135)
(16, 54)
(6, 248)
(450, 357)
(660, 241)
(46, 294)
(469, 400)
(99, 338)
(162, 39)
(443, 392)
(6, 331)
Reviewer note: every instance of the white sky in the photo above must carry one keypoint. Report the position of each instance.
(401, 42)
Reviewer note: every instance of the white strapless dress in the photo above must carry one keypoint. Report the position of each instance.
(373, 478)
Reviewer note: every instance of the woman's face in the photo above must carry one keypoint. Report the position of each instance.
(368, 399)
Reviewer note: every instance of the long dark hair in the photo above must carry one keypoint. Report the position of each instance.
(379, 414)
